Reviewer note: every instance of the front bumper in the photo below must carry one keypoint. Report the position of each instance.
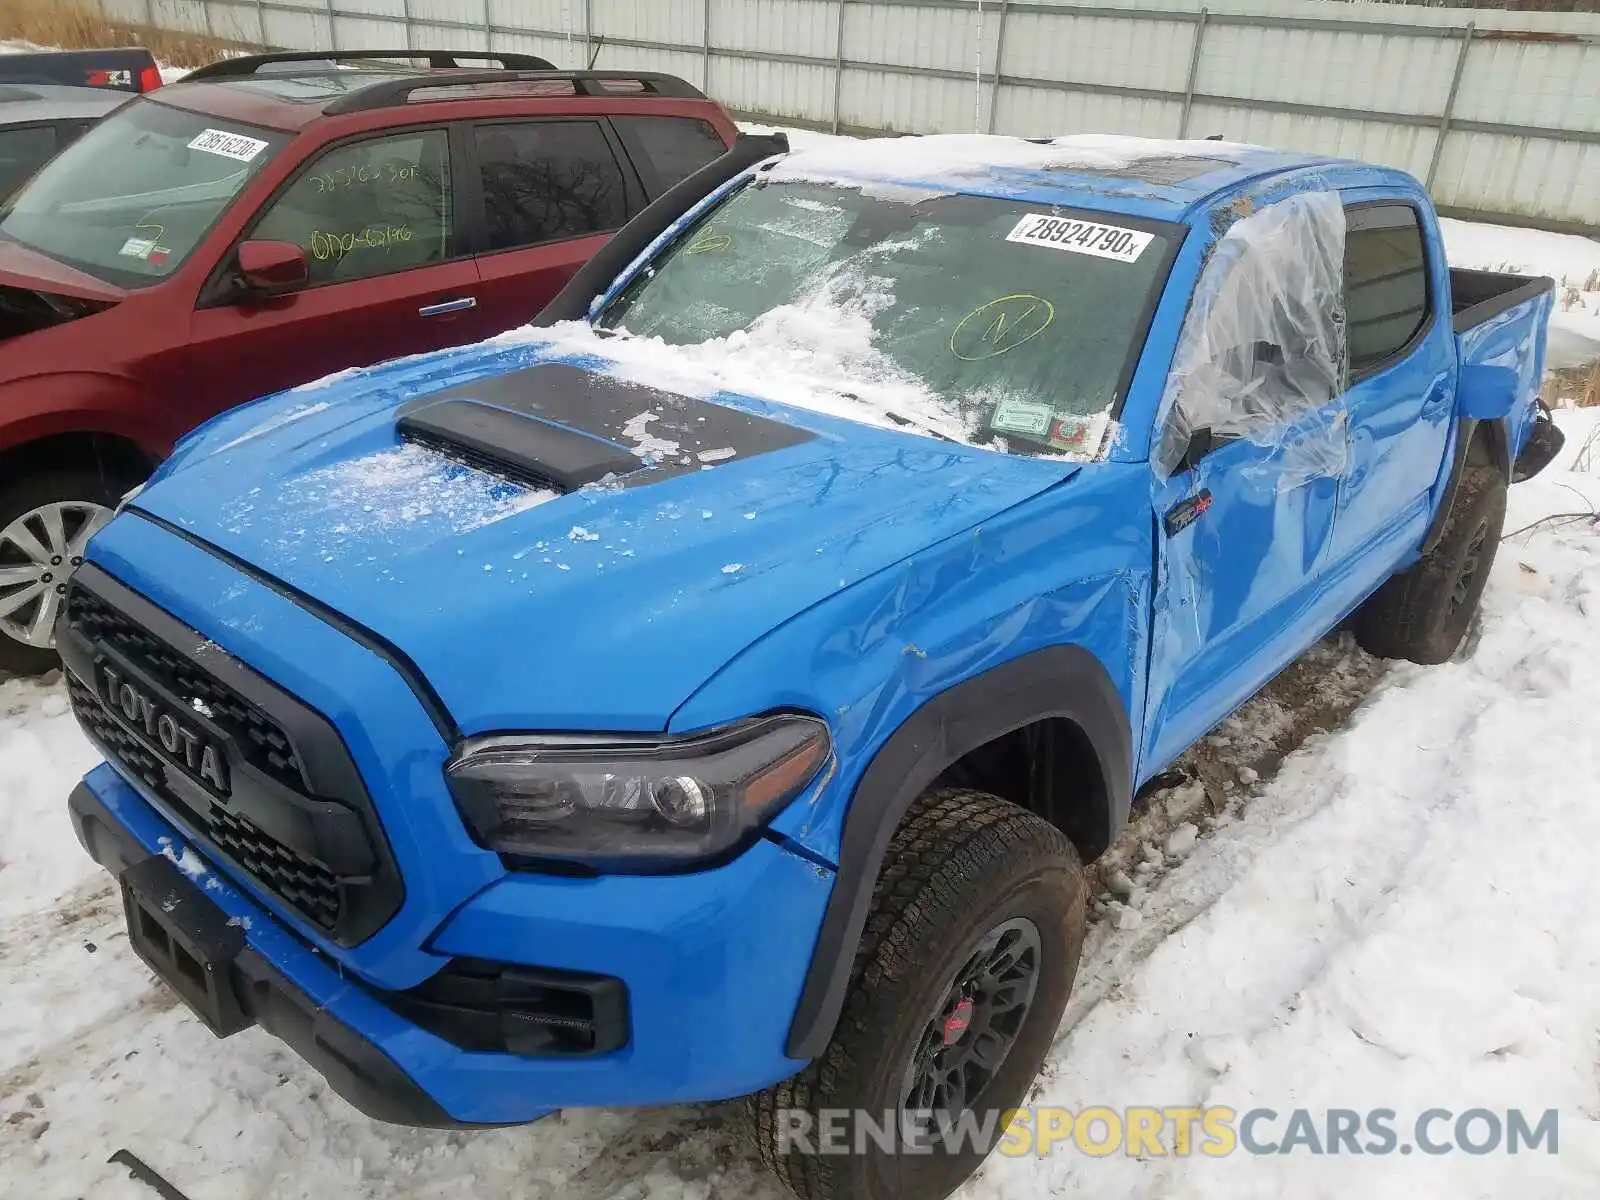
(713, 964)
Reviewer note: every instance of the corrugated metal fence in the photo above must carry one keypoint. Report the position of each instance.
(1498, 111)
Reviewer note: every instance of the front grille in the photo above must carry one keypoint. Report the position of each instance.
(260, 738)
(123, 746)
(338, 874)
(300, 882)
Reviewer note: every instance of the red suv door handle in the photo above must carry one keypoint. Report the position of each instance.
(448, 306)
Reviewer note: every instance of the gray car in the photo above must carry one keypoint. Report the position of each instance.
(38, 119)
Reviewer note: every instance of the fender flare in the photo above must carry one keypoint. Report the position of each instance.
(1057, 681)
(78, 402)
(1499, 442)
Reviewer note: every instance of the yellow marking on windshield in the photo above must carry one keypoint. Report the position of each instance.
(1001, 325)
(709, 242)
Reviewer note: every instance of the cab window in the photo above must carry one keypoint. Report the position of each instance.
(1385, 282)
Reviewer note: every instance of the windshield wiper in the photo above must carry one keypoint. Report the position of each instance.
(919, 426)
(908, 422)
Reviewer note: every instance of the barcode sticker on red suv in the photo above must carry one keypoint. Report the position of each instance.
(229, 145)
(1081, 237)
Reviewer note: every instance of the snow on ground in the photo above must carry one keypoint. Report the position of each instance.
(1572, 261)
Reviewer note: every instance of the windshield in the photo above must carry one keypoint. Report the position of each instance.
(133, 197)
(1013, 324)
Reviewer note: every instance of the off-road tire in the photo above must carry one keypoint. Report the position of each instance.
(960, 864)
(1419, 614)
(33, 491)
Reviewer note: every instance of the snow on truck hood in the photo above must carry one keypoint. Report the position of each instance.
(604, 606)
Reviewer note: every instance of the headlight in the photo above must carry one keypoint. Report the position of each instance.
(634, 804)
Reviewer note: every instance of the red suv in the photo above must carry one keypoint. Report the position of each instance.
(272, 219)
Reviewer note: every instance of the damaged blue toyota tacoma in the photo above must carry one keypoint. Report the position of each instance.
(717, 688)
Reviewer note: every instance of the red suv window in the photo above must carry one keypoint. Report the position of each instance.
(369, 208)
(669, 148)
(546, 180)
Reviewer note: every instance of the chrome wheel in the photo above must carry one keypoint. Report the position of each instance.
(39, 551)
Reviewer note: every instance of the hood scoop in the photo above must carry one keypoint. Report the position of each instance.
(557, 426)
(523, 447)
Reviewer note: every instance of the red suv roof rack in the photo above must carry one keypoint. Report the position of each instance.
(249, 64)
(584, 83)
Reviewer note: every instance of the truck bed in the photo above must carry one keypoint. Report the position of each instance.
(121, 69)
(1476, 296)
(1501, 320)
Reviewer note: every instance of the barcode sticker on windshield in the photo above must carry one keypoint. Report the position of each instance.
(1081, 237)
(229, 145)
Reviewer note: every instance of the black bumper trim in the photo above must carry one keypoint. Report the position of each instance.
(354, 1067)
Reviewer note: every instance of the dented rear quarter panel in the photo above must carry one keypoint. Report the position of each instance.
(1513, 339)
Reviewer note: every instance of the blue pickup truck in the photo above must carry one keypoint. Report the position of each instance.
(718, 688)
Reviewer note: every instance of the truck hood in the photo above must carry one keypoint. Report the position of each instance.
(602, 603)
(23, 268)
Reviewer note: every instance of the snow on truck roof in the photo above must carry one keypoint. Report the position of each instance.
(1168, 175)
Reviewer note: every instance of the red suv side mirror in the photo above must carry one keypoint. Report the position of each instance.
(271, 268)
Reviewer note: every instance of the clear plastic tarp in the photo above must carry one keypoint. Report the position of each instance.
(1262, 354)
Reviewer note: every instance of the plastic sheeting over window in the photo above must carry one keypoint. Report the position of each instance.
(1263, 351)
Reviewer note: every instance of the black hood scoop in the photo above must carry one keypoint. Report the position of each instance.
(560, 427)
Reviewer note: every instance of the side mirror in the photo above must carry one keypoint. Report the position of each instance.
(271, 268)
(1201, 443)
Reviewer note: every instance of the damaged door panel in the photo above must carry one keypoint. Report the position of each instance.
(1254, 423)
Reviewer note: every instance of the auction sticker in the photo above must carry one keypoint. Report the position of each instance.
(1021, 416)
(229, 145)
(1081, 237)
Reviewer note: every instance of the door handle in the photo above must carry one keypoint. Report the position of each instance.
(448, 306)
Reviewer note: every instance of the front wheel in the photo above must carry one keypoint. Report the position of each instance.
(1423, 612)
(956, 992)
(46, 520)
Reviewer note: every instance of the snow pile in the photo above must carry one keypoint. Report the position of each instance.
(951, 157)
(385, 491)
(816, 354)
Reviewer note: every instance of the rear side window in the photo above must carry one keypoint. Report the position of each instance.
(369, 208)
(547, 180)
(21, 152)
(1385, 282)
(668, 148)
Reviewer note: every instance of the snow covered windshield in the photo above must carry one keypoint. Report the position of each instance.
(995, 322)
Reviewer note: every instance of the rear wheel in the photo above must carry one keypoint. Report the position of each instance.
(1423, 612)
(955, 996)
(45, 522)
